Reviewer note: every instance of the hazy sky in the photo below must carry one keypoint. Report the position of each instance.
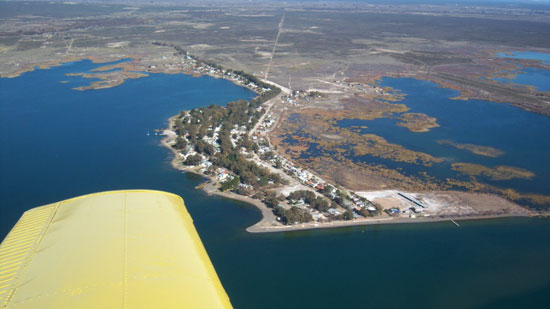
(426, 1)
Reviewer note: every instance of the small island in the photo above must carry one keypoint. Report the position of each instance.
(417, 122)
(485, 151)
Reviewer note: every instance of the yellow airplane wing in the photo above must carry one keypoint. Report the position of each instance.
(117, 249)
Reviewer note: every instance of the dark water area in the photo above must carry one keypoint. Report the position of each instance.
(521, 135)
(58, 143)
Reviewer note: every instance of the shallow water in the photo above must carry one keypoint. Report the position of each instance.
(58, 143)
(526, 55)
(538, 78)
(521, 135)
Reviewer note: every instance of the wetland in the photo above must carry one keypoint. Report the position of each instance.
(476, 145)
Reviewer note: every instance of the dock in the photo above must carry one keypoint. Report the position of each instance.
(453, 221)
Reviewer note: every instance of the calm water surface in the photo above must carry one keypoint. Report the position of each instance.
(58, 143)
(521, 135)
(538, 78)
(526, 55)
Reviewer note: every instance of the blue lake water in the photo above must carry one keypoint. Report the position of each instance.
(539, 78)
(521, 135)
(529, 76)
(526, 55)
(58, 143)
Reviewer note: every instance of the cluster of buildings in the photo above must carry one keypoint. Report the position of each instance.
(353, 201)
(223, 174)
(415, 207)
(268, 122)
(236, 134)
(297, 96)
(191, 65)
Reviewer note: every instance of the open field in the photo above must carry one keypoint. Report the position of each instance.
(317, 43)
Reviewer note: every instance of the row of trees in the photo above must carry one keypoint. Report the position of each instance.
(310, 198)
(270, 199)
(292, 215)
(249, 172)
(264, 96)
(288, 216)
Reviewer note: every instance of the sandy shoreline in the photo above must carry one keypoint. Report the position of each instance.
(369, 221)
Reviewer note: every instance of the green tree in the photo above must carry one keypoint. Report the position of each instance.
(193, 160)
(231, 184)
(202, 131)
(292, 215)
(365, 213)
(181, 143)
(202, 146)
(348, 215)
(270, 199)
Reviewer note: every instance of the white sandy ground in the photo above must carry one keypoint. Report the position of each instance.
(447, 203)
(286, 190)
(371, 195)
(170, 134)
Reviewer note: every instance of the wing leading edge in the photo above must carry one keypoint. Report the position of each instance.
(116, 249)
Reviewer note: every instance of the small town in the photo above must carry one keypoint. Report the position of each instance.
(195, 66)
